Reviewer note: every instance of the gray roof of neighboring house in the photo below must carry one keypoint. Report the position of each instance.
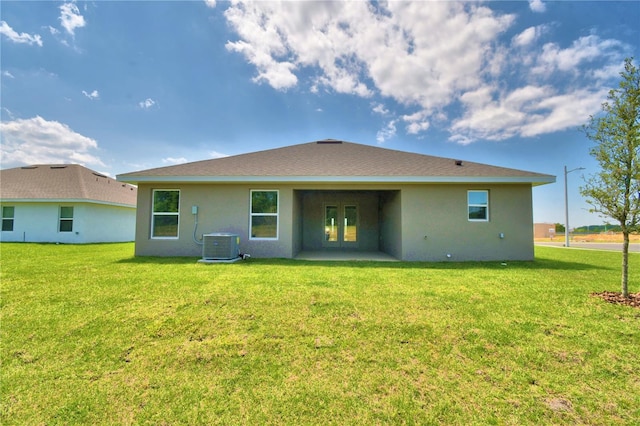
(64, 182)
(335, 161)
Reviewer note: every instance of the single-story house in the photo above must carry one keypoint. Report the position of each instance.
(332, 195)
(65, 203)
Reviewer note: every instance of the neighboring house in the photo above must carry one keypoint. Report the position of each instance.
(338, 196)
(65, 203)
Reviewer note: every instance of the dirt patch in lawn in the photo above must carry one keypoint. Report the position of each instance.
(605, 237)
(559, 404)
(615, 297)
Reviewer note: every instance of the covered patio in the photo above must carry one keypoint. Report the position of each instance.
(339, 255)
(350, 224)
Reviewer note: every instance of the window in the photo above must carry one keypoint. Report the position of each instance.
(8, 213)
(166, 213)
(264, 215)
(478, 206)
(66, 219)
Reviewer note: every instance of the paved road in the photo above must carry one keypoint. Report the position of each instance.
(633, 247)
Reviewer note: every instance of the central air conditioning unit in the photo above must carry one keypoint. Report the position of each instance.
(220, 246)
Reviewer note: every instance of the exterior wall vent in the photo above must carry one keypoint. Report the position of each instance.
(458, 162)
(328, 142)
(220, 246)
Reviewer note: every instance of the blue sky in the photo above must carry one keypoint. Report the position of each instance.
(126, 86)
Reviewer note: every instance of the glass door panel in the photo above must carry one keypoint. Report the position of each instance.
(350, 228)
(331, 223)
(340, 225)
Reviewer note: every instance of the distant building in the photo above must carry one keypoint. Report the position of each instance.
(544, 230)
(65, 203)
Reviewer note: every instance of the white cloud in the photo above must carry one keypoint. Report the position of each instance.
(416, 127)
(525, 112)
(93, 95)
(6, 73)
(585, 49)
(276, 74)
(216, 154)
(608, 72)
(441, 59)
(387, 132)
(417, 53)
(39, 141)
(172, 160)
(529, 36)
(417, 123)
(210, 3)
(380, 109)
(537, 6)
(8, 112)
(182, 160)
(494, 116)
(563, 111)
(147, 103)
(13, 35)
(70, 18)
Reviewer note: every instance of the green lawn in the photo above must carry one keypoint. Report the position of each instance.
(92, 335)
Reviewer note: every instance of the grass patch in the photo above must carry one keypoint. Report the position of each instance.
(92, 335)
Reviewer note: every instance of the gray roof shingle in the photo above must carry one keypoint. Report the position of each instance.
(44, 182)
(324, 160)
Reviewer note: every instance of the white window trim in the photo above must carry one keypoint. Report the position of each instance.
(251, 215)
(60, 218)
(486, 191)
(11, 218)
(153, 214)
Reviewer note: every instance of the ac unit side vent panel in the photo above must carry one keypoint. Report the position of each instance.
(220, 246)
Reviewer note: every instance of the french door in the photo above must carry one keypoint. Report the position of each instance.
(340, 225)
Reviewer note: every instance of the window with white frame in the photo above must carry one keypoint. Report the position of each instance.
(8, 213)
(66, 219)
(264, 214)
(478, 205)
(165, 216)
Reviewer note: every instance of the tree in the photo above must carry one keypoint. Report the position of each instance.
(615, 190)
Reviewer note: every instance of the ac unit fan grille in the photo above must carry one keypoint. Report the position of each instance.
(220, 246)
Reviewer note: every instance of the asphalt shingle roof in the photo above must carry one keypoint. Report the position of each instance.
(64, 182)
(331, 158)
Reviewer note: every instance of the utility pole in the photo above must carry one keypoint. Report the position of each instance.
(566, 205)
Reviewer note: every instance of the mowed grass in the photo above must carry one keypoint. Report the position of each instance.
(92, 335)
